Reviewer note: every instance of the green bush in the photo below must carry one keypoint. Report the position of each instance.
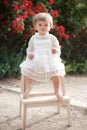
(9, 64)
(72, 15)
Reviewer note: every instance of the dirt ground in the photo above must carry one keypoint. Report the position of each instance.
(43, 118)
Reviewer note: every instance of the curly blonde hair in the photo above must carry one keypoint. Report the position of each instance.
(43, 17)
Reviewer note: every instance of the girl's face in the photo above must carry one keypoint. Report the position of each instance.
(42, 27)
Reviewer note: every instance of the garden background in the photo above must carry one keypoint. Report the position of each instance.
(70, 27)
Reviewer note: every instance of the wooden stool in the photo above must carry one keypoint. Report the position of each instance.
(42, 99)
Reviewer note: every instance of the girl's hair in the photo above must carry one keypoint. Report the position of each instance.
(43, 17)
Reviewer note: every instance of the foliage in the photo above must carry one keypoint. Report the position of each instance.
(16, 28)
(73, 16)
(77, 68)
(9, 65)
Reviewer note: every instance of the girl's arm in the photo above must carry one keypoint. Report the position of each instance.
(55, 46)
(30, 48)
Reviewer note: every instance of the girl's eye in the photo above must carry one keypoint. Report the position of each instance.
(46, 25)
(42, 25)
(39, 25)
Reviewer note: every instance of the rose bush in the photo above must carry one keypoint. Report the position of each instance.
(16, 19)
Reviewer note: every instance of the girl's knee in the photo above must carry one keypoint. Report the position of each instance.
(27, 79)
(55, 78)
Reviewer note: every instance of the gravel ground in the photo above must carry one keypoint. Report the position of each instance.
(47, 118)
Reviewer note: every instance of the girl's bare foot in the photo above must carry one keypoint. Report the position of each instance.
(26, 95)
(59, 98)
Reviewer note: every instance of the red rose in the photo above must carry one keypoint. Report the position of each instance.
(16, 7)
(51, 2)
(55, 13)
(1, 16)
(61, 29)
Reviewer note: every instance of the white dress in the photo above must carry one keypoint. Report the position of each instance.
(44, 65)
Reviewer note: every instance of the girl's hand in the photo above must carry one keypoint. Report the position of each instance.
(31, 56)
(54, 51)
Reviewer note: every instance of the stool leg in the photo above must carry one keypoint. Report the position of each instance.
(58, 108)
(24, 116)
(20, 108)
(63, 86)
(69, 113)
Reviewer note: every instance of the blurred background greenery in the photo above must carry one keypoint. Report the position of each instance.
(70, 27)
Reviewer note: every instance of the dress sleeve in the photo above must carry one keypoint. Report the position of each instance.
(30, 47)
(55, 44)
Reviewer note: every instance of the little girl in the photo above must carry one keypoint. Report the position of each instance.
(43, 60)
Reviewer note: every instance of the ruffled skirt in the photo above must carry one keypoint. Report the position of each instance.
(43, 66)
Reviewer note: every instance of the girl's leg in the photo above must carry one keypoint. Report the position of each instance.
(55, 81)
(27, 87)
